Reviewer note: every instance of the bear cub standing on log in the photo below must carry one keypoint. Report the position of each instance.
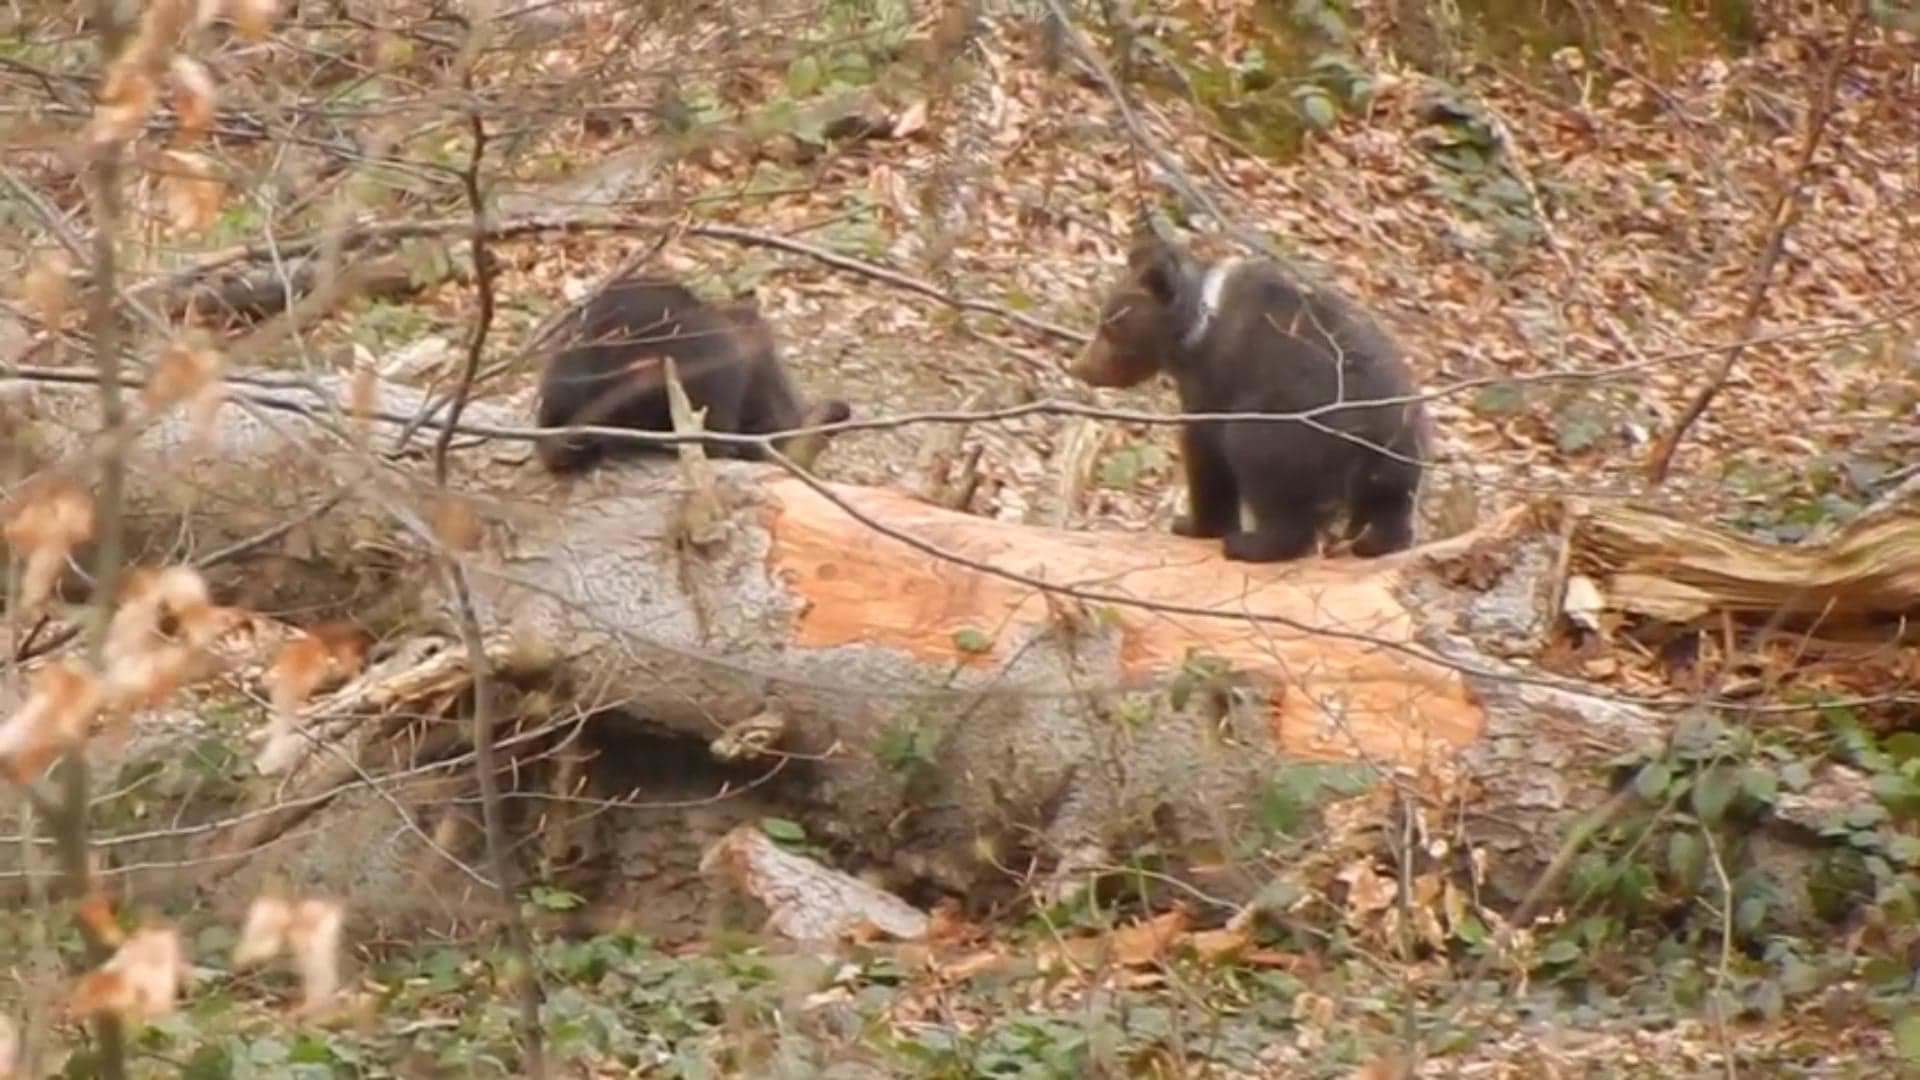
(611, 375)
(1238, 336)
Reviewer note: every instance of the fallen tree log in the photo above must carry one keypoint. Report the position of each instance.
(960, 700)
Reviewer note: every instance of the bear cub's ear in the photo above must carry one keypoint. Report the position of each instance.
(1160, 265)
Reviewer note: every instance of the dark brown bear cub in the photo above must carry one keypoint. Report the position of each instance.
(1239, 337)
(611, 375)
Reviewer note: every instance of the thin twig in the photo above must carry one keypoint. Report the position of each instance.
(1785, 211)
(524, 975)
(103, 327)
(1172, 173)
(542, 224)
(483, 285)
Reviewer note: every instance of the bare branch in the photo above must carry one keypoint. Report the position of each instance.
(1785, 211)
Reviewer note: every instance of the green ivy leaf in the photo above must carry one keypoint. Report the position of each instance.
(1180, 691)
(1906, 1035)
(1562, 951)
(1796, 775)
(1713, 793)
(1685, 856)
(548, 898)
(809, 128)
(212, 1061)
(1760, 784)
(1864, 817)
(1471, 930)
(1318, 108)
(1121, 470)
(804, 76)
(1905, 848)
(1750, 914)
(1903, 746)
(1500, 399)
(1582, 425)
(969, 640)
(1885, 973)
(1653, 780)
(786, 832)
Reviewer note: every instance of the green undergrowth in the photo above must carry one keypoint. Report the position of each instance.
(618, 1002)
(1298, 67)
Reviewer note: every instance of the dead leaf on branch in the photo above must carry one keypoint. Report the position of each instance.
(189, 372)
(194, 190)
(46, 525)
(308, 931)
(63, 700)
(140, 982)
(253, 19)
(193, 98)
(126, 101)
(45, 287)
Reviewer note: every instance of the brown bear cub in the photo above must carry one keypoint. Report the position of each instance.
(611, 375)
(1239, 337)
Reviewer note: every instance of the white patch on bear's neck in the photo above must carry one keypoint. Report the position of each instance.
(1212, 287)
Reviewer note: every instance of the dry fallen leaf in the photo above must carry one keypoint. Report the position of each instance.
(46, 524)
(253, 19)
(308, 930)
(1390, 1067)
(912, 119)
(1136, 944)
(150, 600)
(95, 914)
(1367, 891)
(165, 617)
(126, 99)
(324, 654)
(61, 702)
(193, 98)
(1219, 945)
(189, 372)
(264, 933)
(183, 370)
(456, 525)
(194, 190)
(313, 937)
(45, 287)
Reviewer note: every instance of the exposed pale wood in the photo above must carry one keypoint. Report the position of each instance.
(1870, 570)
(805, 901)
(859, 587)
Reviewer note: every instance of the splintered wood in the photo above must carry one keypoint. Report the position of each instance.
(1678, 570)
(806, 901)
(1332, 639)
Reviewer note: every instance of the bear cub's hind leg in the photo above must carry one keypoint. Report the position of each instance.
(1286, 521)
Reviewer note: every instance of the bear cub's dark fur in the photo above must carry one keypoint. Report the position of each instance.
(1239, 336)
(611, 375)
